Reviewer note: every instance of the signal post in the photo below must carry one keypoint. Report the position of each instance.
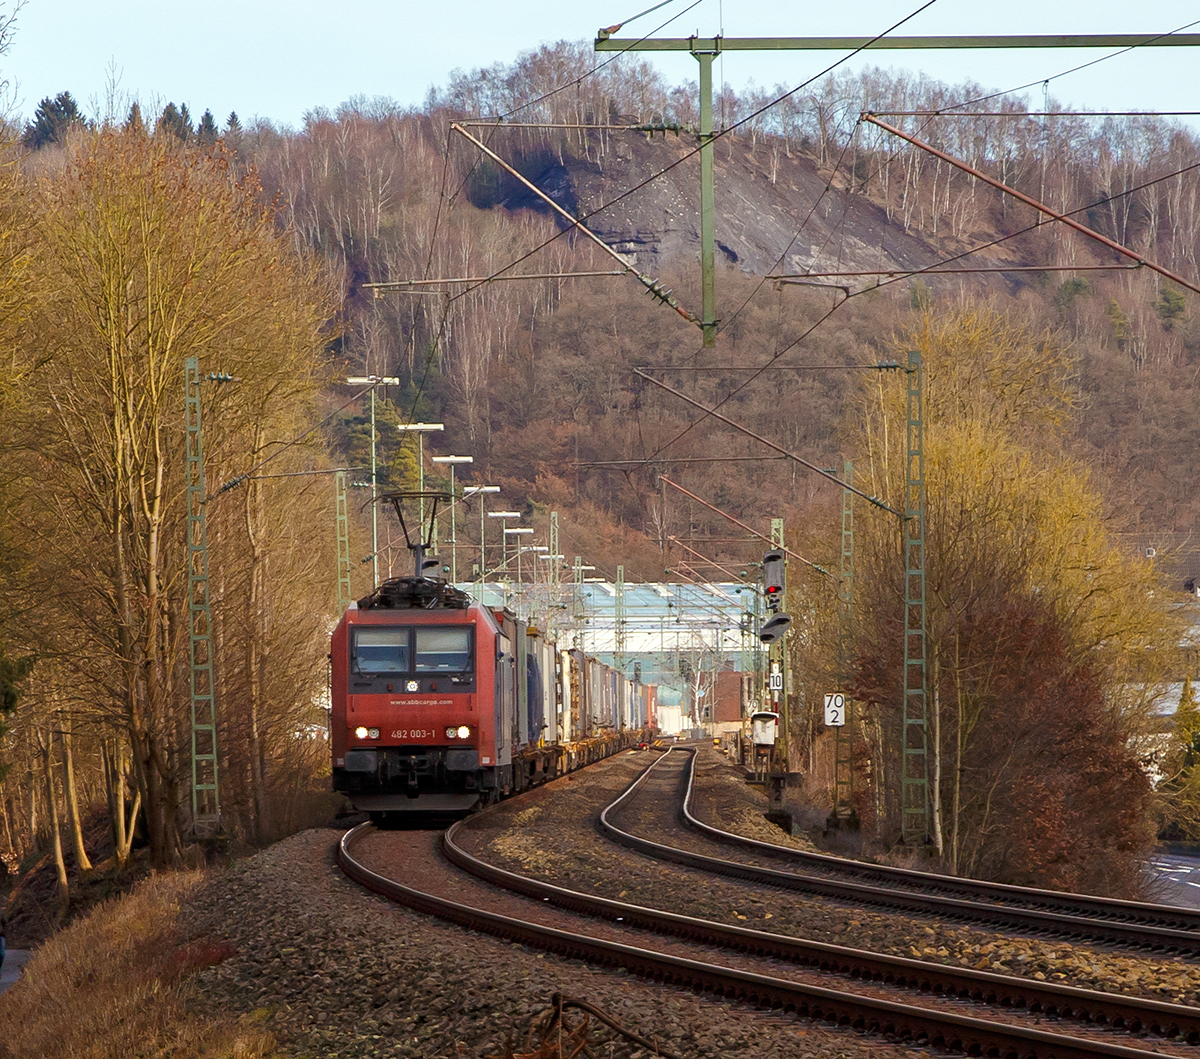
(774, 634)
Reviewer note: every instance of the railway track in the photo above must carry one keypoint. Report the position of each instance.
(1075, 917)
(846, 986)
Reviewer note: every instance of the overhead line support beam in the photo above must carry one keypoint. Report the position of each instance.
(943, 43)
(1041, 207)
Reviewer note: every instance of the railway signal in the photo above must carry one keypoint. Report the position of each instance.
(774, 628)
(774, 585)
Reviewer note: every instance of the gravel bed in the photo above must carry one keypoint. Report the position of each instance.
(336, 972)
(544, 838)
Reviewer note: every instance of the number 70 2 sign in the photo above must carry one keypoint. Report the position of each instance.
(835, 710)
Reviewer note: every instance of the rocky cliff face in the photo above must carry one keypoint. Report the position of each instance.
(774, 213)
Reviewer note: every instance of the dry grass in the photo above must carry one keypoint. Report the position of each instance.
(113, 986)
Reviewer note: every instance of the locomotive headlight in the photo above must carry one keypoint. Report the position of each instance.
(463, 732)
(366, 733)
(360, 732)
(451, 733)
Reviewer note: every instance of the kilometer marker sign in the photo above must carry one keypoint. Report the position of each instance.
(835, 710)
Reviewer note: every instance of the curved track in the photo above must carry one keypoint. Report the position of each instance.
(1140, 925)
(946, 1025)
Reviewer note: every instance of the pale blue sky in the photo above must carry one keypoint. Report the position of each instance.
(278, 60)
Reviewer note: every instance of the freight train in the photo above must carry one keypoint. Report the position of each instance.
(441, 704)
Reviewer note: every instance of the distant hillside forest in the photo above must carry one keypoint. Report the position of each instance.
(533, 377)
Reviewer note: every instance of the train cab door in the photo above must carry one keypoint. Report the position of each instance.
(505, 699)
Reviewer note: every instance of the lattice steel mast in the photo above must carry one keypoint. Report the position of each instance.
(915, 765)
(343, 542)
(206, 802)
(843, 753)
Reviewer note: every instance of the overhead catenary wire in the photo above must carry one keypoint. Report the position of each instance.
(689, 459)
(238, 479)
(1046, 81)
(771, 445)
(724, 132)
(749, 529)
(1037, 113)
(776, 101)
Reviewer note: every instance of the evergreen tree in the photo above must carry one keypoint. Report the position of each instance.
(232, 124)
(176, 121)
(1170, 307)
(1187, 721)
(51, 121)
(135, 122)
(206, 131)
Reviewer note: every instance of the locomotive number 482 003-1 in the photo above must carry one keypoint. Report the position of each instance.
(413, 733)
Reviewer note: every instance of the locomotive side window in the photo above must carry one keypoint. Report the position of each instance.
(380, 651)
(441, 650)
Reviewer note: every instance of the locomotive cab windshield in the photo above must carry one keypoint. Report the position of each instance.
(413, 651)
(380, 651)
(445, 650)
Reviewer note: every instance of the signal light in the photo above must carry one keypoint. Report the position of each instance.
(774, 585)
(774, 628)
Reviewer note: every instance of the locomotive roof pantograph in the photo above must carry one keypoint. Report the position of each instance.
(415, 593)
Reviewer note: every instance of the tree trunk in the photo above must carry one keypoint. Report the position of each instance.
(113, 753)
(60, 865)
(8, 834)
(33, 813)
(71, 796)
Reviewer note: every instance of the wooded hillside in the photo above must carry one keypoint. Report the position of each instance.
(534, 377)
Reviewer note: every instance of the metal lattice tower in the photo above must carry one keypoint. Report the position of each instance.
(343, 542)
(778, 652)
(843, 754)
(206, 804)
(555, 558)
(915, 766)
(577, 607)
(619, 639)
